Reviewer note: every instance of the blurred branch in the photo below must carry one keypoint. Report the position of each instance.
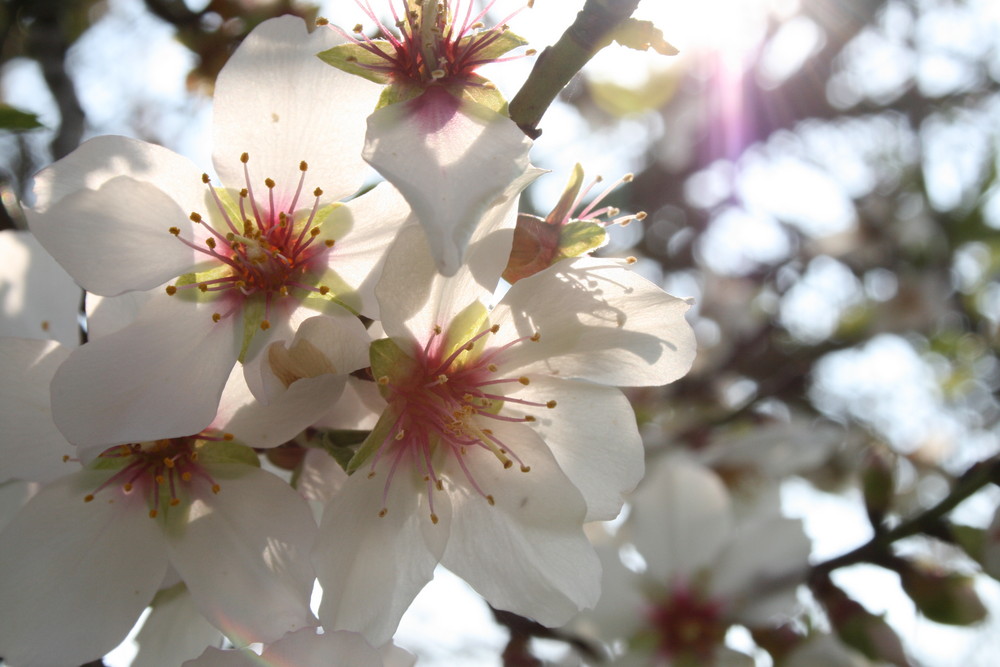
(523, 630)
(877, 550)
(48, 43)
(557, 64)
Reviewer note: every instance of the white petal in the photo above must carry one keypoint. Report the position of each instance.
(244, 555)
(759, 556)
(75, 576)
(371, 567)
(599, 321)
(103, 158)
(159, 377)
(305, 648)
(216, 657)
(450, 160)
(32, 447)
(681, 518)
(174, 630)
(323, 345)
(278, 102)
(357, 257)
(108, 314)
(526, 553)
(38, 299)
(116, 239)
(592, 434)
(294, 410)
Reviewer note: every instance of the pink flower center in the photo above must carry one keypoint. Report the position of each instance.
(431, 48)
(451, 402)
(266, 251)
(685, 624)
(163, 470)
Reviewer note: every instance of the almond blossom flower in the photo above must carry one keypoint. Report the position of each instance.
(89, 550)
(440, 133)
(245, 261)
(500, 436)
(704, 571)
(570, 230)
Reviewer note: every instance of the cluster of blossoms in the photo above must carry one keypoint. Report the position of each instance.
(230, 315)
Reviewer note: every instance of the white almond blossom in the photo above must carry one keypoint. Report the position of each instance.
(245, 260)
(441, 133)
(500, 436)
(704, 571)
(89, 550)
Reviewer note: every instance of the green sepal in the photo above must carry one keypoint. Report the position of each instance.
(508, 40)
(642, 36)
(580, 237)
(253, 314)
(388, 360)
(213, 452)
(564, 208)
(481, 91)
(398, 92)
(374, 441)
(16, 120)
(340, 444)
(109, 462)
(472, 320)
(352, 58)
(943, 597)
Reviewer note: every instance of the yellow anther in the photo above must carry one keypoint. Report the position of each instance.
(550, 405)
(490, 500)
(152, 514)
(525, 468)
(434, 517)
(269, 182)
(439, 485)
(400, 434)
(227, 436)
(470, 347)
(174, 502)
(641, 215)
(318, 192)
(437, 329)
(203, 287)
(324, 290)
(358, 27)
(371, 474)
(210, 242)
(216, 317)
(441, 379)
(492, 368)
(195, 217)
(535, 337)
(283, 291)
(65, 458)
(244, 192)
(216, 488)
(230, 237)
(193, 456)
(205, 179)
(159, 479)
(507, 463)
(265, 325)
(303, 166)
(384, 380)
(524, 380)
(495, 328)
(169, 462)
(529, 418)
(175, 231)
(244, 158)
(530, 52)
(87, 498)
(314, 231)
(186, 476)
(329, 243)
(382, 512)
(322, 21)
(631, 260)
